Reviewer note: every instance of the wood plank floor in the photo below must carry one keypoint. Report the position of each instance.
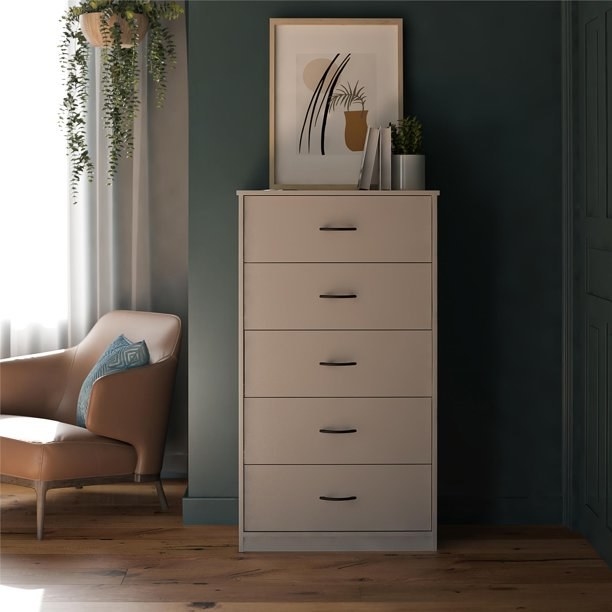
(109, 548)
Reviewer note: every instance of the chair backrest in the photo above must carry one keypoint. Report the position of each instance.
(161, 332)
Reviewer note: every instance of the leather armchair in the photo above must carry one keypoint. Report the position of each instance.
(42, 447)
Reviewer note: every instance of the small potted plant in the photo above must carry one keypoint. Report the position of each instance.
(117, 26)
(407, 160)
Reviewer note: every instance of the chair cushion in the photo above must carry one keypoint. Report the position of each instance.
(43, 449)
(121, 354)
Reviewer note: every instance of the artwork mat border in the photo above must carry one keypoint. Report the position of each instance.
(280, 21)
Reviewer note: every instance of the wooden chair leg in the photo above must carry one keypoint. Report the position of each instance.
(163, 502)
(41, 494)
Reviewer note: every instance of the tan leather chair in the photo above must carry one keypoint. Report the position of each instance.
(40, 444)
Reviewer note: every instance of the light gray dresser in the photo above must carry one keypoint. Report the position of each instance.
(337, 370)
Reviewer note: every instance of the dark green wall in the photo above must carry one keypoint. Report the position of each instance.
(485, 79)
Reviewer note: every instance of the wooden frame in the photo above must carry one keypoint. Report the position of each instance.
(329, 80)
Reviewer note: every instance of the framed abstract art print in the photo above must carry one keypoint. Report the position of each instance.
(330, 80)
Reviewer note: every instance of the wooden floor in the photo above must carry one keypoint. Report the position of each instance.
(109, 548)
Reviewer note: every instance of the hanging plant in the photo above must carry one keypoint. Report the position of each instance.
(123, 25)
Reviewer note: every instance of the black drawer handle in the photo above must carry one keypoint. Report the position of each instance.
(338, 363)
(338, 296)
(349, 498)
(337, 431)
(338, 228)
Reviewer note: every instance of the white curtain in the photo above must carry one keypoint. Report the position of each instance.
(64, 265)
(109, 227)
(33, 188)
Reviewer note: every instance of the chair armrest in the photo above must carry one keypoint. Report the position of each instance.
(33, 385)
(133, 406)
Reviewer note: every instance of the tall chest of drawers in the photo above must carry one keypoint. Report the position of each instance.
(337, 370)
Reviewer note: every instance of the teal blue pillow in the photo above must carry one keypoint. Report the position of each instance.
(121, 354)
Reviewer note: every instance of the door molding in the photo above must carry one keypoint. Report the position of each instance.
(567, 283)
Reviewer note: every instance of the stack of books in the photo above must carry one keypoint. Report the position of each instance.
(375, 170)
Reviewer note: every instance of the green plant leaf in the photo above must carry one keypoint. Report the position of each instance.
(407, 136)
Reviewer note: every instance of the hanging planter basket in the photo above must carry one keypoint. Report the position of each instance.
(97, 34)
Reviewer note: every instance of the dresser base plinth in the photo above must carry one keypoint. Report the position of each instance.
(262, 541)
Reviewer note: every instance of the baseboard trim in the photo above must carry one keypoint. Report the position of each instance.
(210, 510)
(175, 465)
(500, 510)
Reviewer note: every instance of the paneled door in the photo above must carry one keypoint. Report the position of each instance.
(592, 364)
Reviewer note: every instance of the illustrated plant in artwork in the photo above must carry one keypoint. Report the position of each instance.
(328, 95)
(346, 96)
(356, 125)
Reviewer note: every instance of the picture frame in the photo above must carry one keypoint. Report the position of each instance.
(330, 79)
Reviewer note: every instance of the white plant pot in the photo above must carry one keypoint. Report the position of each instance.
(408, 172)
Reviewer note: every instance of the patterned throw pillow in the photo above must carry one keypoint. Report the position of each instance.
(121, 354)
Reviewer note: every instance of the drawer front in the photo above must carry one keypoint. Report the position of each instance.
(306, 228)
(290, 363)
(337, 296)
(338, 430)
(387, 498)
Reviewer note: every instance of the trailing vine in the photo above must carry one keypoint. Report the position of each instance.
(74, 61)
(120, 76)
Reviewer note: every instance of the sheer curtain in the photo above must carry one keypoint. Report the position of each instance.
(33, 190)
(109, 227)
(64, 265)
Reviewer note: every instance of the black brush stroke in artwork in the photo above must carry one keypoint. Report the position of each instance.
(313, 102)
(311, 117)
(330, 93)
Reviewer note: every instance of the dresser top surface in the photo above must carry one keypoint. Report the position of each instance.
(337, 192)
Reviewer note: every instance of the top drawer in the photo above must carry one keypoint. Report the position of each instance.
(337, 228)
